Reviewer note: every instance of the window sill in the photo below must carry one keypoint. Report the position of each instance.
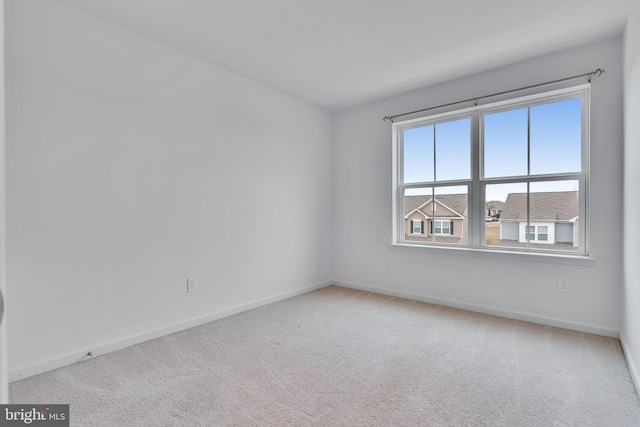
(545, 257)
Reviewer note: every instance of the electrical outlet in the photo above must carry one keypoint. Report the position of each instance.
(563, 285)
(192, 284)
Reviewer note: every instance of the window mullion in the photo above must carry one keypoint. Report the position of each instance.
(476, 196)
(528, 175)
(432, 227)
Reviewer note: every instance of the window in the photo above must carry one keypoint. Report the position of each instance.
(536, 233)
(528, 155)
(543, 233)
(442, 227)
(418, 227)
(531, 232)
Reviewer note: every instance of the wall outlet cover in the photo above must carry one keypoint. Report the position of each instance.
(192, 284)
(563, 285)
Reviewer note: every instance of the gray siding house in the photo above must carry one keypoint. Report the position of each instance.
(553, 218)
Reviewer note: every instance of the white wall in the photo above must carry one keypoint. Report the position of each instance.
(3, 325)
(132, 166)
(515, 288)
(631, 319)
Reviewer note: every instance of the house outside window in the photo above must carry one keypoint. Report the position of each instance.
(537, 233)
(543, 233)
(522, 161)
(441, 220)
(552, 219)
(530, 231)
(442, 227)
(417, 226)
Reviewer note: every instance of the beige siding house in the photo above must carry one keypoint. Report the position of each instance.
(445, 218)
(494, 207)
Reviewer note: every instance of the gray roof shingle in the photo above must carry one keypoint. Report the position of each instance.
(457, 202)
(495, 204)
(547, 206)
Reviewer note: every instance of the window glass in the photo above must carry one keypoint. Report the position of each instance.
(505, 231)
(556, 137)
(443, 210)
(453, 150)
(442, 227)
(554, 208)
(418, 154)
(543, 233)
(437, 152)
(531, 232)
(505, 143)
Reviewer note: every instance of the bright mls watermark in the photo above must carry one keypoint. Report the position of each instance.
(34, 415)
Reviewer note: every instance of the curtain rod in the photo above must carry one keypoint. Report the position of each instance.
(597, 73)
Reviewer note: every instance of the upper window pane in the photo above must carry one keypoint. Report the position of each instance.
(556, 137)
(543, 139)
(453, 150)
(438, 152)
(418, 154)
(505, 143)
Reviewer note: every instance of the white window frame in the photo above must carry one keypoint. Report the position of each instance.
(546, 234)
(413, 226)
(522, 232)
(442, 221)
(477, 184)
(529, 232)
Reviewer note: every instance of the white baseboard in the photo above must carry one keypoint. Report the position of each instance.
(633, 370)
(495, 311)
(81, 355)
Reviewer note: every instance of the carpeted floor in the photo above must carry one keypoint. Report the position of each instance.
(340, 357)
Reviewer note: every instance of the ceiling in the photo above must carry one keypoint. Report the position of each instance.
(341, 53)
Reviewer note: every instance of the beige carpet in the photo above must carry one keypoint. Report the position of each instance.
(339, 357)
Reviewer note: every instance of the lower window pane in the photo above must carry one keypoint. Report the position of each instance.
(499, 231)
(544, 218)
(554, 213)
(442, 213)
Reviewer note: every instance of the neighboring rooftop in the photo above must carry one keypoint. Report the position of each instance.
(455, 202)
(547, 206)
(495, 204)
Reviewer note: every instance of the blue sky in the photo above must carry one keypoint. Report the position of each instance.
(452, 152)
(555, 147)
